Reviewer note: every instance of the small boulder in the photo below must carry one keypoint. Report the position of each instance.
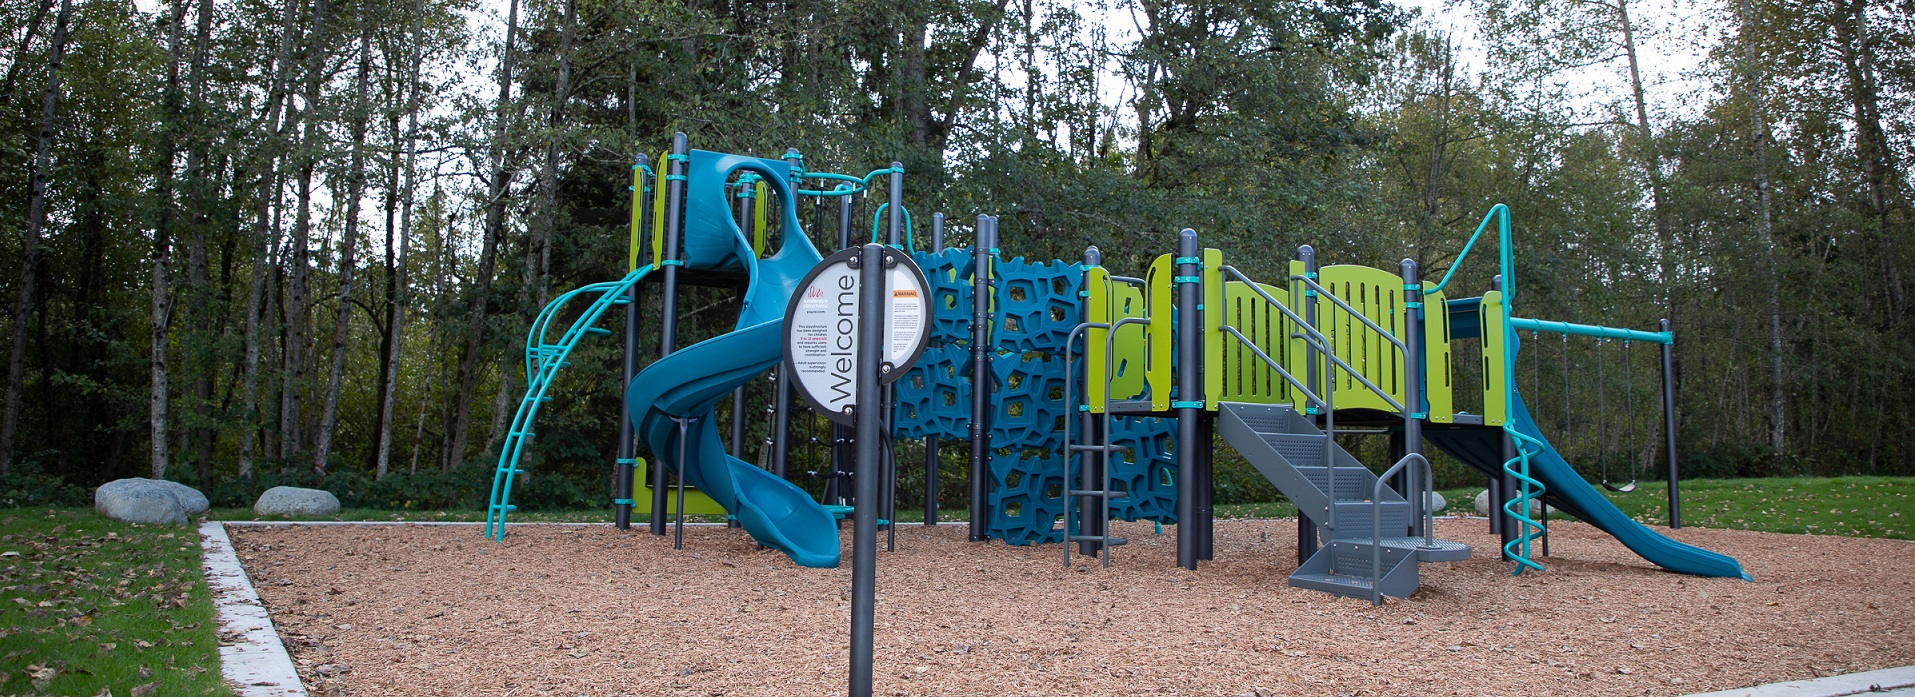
(1435, 502)
(298, 502)
(139, 500)
(1535, 505)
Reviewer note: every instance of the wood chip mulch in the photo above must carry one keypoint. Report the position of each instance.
(552, 610)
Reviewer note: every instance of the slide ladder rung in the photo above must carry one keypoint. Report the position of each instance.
(598, 331)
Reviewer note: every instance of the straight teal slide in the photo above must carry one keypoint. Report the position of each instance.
(1482, 448)
(686, 386)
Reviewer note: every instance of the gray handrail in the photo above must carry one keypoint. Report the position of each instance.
(1316, 339)
(1376, 521)
(1320, 347)
(1353, 313)
(1267, 360)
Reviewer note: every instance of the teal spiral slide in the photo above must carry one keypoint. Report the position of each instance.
(678, 394)
(1567, 490)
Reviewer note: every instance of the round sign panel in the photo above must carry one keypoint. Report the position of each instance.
(821, 329)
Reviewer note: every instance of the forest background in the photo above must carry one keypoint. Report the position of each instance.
(268, 241)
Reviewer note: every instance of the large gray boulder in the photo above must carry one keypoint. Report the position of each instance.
(298, 502)
(139, 500)
(190, 498)
(1435, 502)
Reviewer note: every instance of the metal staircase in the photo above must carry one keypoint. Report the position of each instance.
(1372, 537)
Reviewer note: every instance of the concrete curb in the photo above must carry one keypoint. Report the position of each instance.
(1833, 686)
(251, 656)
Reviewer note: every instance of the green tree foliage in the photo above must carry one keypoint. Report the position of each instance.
(1344, 124)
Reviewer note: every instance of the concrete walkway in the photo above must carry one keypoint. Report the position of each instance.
(1889, 681)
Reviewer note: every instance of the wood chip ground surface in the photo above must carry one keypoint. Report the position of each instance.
(552, 610)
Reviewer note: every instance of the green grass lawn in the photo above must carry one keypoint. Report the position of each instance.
(89, 604)
(1853, 506)
(1848, 506)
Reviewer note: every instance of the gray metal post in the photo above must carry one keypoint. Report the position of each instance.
(668, 298)
(931, 442)
(1307, 529)
(781, 386)
(1669, 429)
(746, 196)
(1495, 488)
(841, 436)
(1091, 464)
(1206, 483)
(981, 378)
(894, 213)
(895, 197)
(1413, 392)
(1189, 390)
(627, 442)
(864, 552)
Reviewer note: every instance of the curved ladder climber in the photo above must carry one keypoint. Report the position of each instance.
(543, 361)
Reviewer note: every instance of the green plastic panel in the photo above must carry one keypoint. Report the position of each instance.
(1495, 359)
(1438, 367)
(1105, 303)
(638, 217)
(759, 203)
(1377, 295)
(658, 208)
(696, 502)
(1212, 337)
(1241, 376)
(1161, 296)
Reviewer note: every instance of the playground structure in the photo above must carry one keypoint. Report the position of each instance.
(1084, 395)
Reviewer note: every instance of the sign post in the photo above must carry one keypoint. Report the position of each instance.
(859, 320)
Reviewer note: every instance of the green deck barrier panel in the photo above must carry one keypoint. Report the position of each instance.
(1495, 359)
(1439, 369)
(1160, 294)
(1239, 375)
(1378, 296)
(1107, 301)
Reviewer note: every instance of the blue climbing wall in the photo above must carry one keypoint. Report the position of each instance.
(1037, 307)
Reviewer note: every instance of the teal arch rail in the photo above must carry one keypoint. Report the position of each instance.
(543, 361)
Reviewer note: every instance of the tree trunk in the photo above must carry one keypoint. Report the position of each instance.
(538, 254)
(1765, 228)
(348, 246)
(298, 310)
(489, 249)
(163, 246)
(1880, 178)
(1652, 165)
(40, 10)
(940, 133)
(265, 234)
(36, 222)
(397, 269)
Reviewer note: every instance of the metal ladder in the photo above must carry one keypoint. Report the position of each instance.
(543, 360)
